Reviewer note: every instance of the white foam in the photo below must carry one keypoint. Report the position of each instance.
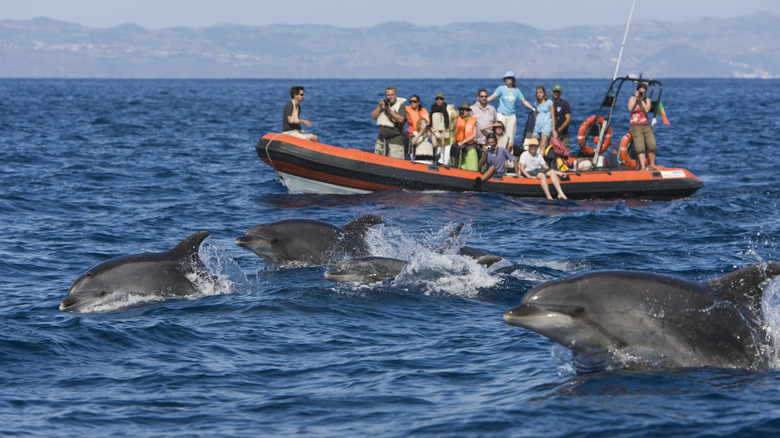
(770, 306)
(434, 266)
(121, 300)
(538, 276)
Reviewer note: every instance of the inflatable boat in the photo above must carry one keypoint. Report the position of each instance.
(308, 167)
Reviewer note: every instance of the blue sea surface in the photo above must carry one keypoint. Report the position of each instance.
(95, 169)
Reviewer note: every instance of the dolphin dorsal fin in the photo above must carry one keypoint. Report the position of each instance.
(743, 286)
(189, 246)
(359, 225)
(456, 231)
(451, 242)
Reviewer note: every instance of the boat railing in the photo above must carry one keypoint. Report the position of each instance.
(608, 104)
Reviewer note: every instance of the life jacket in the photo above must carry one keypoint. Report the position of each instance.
(414, 117)
(465, 128)
(423, 149)
(553, 159)
(383, 120)
(440, 128)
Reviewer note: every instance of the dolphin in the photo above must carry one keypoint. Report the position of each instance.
(308, 242)
(644, 320)
(375, 269)
(161, 273)
(482, 257)
(365, 269)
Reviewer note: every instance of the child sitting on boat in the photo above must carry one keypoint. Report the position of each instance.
(532, 165)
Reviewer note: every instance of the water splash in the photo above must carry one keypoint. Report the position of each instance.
(223, 276)
(770, 306)
(434, 265)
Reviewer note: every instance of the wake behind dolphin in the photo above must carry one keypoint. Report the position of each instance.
(643, 320)
(160, 274)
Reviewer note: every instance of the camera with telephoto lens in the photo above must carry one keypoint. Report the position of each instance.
(387, 102)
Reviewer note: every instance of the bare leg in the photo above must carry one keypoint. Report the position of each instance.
(543, 144)
(545, 188)
(642, 162)
(557, 183)
(488, 173)
(651, 159)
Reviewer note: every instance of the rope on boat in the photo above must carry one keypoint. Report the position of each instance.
(270, 161)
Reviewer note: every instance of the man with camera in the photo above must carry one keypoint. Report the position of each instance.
(390, 116)
(639, 128)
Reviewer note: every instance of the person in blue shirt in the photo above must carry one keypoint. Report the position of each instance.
(545, 122)
(495, 158)
(508, 95)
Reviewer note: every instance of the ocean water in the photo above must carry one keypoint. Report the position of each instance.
(95, 169)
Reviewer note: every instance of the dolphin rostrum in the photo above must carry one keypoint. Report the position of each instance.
(644, 320)
(163, 273)
(308, 242)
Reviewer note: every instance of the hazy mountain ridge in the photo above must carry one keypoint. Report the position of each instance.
(741, 47)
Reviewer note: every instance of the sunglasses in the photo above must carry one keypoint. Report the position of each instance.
(439, 98)
(414, 101)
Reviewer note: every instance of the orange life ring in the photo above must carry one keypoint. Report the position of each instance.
(624, 143)
(582, 135)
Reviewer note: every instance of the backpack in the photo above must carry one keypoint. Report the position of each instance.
(554, 160)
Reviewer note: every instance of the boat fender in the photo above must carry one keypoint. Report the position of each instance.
(624, 156)
(582, 136)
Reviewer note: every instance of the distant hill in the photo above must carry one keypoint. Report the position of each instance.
(745, 47)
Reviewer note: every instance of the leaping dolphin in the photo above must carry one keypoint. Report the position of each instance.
(375, 269)
(482, 257)
(308, 242)
(163, 273)
(643, 320)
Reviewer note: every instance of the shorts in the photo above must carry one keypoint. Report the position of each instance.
(538, 171)
(392, 147)
(545, 129)
(644, 138)
(543, 134)
(297, 133)
(510, 124)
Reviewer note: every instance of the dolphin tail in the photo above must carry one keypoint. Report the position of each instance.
(188, 248)
(359, 225)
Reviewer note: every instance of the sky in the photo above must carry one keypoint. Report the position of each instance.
(159, 14)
